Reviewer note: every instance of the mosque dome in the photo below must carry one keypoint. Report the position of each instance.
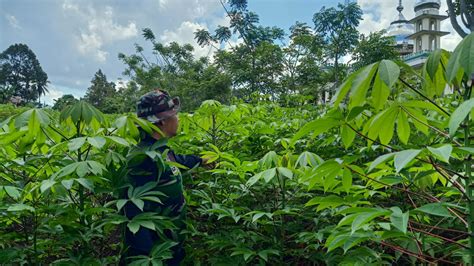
(427, 4)
(401, 28)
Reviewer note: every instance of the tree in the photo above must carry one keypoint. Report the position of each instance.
(465, 10)
(21, 74)
(303, 59)
(99, 91)
(64, 101)
(256, 65)
(338, 28)
(175, 69)
(372, 48)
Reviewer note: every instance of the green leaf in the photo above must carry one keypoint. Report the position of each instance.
(133, 226)
(380, 160)
(257, 216)
(461, 59)
(12, 192)
(120, 203)
(82, 169)
(76, 143)
(347, 136)
(46, 184)
(364, 218)
(438, 209)
(8, 138)
(402, 158)
(316, 127)
(269, 174)
(399, 220)
(443, 153)
(97, 142)
(138, 202)
(67, 183)
(432, 64)
(361, 85)
(20, 207)
(466, 55)
(85, 183)
(285, 172)
(403, 128)
(378, 122)
(459, 115)
(346, 179)
(148, 224)
(380, 93)
(389, 72)
(342, 90)
(119, 140)
(418, 119)
(331, 201)
(386, 134)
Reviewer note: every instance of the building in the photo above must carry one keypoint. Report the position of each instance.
(417, 37)
(401, 28)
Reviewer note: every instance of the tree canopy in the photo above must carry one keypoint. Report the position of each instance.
(21, 75)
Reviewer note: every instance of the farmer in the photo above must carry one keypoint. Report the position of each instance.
(160, 109)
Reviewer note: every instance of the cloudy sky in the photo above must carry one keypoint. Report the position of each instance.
(74, 38)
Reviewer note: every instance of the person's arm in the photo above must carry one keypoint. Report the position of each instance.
(189, 161)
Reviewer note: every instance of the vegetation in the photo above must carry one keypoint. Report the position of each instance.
(293, 185)
(379, 174)
(21, 75)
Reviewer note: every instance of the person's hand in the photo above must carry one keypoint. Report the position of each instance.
(206, 164)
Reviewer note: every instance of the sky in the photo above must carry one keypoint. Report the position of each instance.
(73, 39)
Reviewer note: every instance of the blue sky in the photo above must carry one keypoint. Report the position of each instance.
(73, 39)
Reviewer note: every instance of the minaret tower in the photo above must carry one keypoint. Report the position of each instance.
(427, 22)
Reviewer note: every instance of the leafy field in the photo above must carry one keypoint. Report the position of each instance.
(381, 175)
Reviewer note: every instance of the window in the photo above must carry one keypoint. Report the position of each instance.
(432, 25)
(420, 26)
(418, 44)
(433, 43)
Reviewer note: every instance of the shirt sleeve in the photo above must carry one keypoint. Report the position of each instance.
(189, 161)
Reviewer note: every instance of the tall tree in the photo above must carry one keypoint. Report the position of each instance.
(372, 48)
(21, 74)
(174, 68)
(303, 69)
(255, 66)
(338, 28)
(99, 91)
(465, 10)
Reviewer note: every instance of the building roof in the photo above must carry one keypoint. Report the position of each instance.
(430, 32)
(400, 28)
(428, 15)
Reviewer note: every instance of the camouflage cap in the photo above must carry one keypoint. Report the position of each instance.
(157, 105)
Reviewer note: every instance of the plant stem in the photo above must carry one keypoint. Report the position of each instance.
(469, 183)
(424, 97)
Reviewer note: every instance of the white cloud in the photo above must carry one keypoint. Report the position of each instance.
(185, 34)
(13, 21)
(56, 91)
(51, 95)
(189, 9)
(100, 31)
(162, 3)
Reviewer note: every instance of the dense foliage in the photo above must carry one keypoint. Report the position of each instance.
(293, 185)
(21, 75)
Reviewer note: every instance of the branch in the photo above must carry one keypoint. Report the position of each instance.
(424, 97)
(454, 22)
(446, 135)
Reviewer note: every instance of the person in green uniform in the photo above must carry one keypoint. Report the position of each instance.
(160, 109)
